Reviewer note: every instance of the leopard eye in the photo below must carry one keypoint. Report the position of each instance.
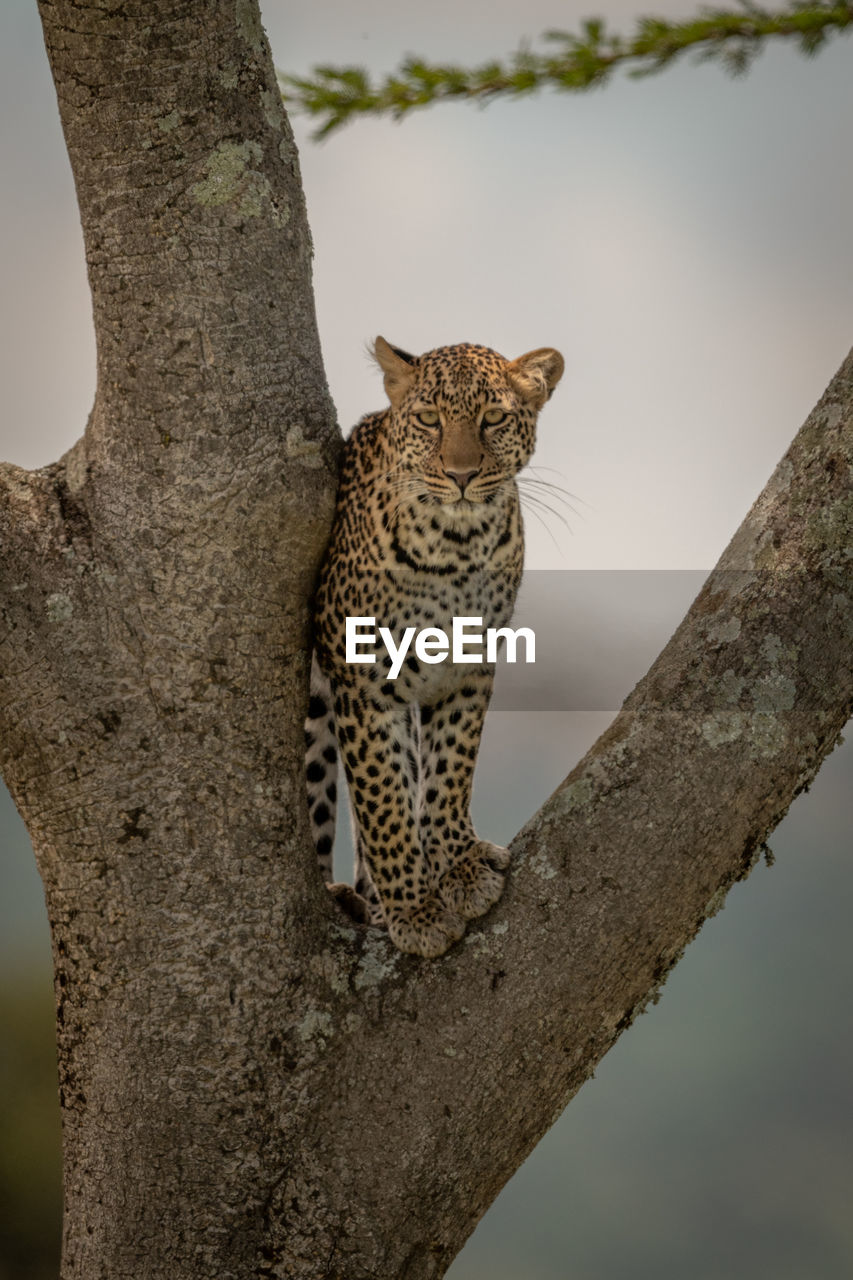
(492, 417)
(428, 417)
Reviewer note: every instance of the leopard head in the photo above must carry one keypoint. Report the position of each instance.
(463, 418)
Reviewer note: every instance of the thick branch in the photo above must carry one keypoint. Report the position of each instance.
(190, 199)
(151, 715)
(188, 522)
(619, 869)
(210, 379)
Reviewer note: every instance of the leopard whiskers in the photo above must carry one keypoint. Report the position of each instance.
(534, 504)
(549, 489)
(534, 500)
(531, 509)
(404, 487)
(398, 470)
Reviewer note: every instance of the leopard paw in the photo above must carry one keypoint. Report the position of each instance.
(356, 907)
(429, 929)
(474, 884)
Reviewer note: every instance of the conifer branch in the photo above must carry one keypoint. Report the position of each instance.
(574, 61)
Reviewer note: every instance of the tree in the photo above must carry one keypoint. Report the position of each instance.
(233, 1053)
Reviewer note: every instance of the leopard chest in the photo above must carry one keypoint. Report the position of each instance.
(408, 596)
(410, 602)
(418, 572)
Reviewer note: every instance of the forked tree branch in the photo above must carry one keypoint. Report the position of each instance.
(619, 869)
(235, 1057)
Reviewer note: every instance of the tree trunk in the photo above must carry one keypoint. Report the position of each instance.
(252, 1085)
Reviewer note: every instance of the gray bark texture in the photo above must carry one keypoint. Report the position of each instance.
(251, 1085)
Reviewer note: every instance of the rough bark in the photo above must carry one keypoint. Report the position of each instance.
(252, 1086)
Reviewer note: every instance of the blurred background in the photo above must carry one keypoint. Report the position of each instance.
(685, 242)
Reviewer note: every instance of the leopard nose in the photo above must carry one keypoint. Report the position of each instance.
(461, 477)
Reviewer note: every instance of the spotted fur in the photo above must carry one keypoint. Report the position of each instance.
(427, 528)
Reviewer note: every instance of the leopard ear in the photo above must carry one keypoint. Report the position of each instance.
(536, 374)
(398, 366)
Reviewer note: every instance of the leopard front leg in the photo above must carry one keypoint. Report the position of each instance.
(379, 755)
(470, 871)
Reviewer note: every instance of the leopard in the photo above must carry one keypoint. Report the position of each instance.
(427, 528)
